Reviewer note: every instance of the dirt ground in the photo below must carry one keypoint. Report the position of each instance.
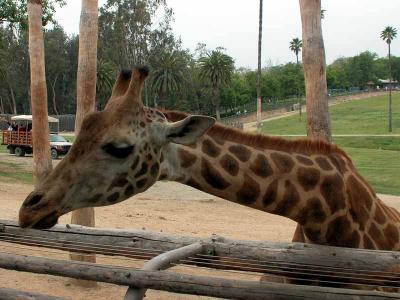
(167, 207)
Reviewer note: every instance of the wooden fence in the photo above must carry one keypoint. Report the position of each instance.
(307, 264)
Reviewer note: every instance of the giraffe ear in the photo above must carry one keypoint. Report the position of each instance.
(188, 130)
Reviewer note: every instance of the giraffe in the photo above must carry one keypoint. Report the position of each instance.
(124, 149)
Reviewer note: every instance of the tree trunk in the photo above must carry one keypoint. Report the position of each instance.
(40, 127)
(13, 104)
(215, 102)
(259, 67)
(53, 89)
(390, 92)
(314, 66)
(86, 94)
(2, 111)
(318, 121)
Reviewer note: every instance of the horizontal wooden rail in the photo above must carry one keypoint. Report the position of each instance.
(290, 253)
(21, 295)
(182, 283)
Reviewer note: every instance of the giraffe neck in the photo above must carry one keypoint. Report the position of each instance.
(320, 191)
(268, 180)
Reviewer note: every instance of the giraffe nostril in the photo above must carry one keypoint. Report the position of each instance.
(32, 200)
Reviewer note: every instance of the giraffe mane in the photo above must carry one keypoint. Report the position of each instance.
(301, 145)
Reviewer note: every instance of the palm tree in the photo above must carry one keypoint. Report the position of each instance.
(259, 66)
(104, 77)
(40, 134)
(388, 34)
(323, 13)
(168, 74)
(216, 69)
(295, 46)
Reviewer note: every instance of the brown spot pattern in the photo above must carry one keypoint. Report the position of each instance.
(113, 197)
(392, 234)
(379, 215)
(249, 192)
(283, 162)
(332, 189)
(378, 237)
(241, 152)
(289, 200)
(193, 183)
(95, 198)
(229, 164)
(338, 162)
(118, 181)
(210, 148)
(135, 163)
(155, 168)
(308, 178)
(313, 212)
(212, 176)
(304, 160)
(368, 244)
(358, 194)
(323, 163)
(187, 158)
(141, 183)
(261, 167)
(129, 190)
(143, 170)
(271, 193)
(338, 231)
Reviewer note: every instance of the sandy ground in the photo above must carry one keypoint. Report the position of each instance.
(167, 207)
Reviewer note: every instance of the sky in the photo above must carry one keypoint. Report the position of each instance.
(349, 27)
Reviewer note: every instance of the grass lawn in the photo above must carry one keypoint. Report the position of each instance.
(376, 158)
(366, 116)
(13, 172)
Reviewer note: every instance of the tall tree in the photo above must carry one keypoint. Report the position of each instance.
(318, 120)
(168, 74)
(259, 107)
(86, 91)
(40, 126)
(295, 46)
(388, 34)
(216, 69)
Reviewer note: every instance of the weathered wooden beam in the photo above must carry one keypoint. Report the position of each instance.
(7, 294)
(182, 283)
(290, 253)
(162, 262)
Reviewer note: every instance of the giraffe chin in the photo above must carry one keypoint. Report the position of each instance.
(46, 222)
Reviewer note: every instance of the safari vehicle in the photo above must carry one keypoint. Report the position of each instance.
(18, 137)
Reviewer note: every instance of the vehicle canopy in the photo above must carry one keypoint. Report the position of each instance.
(28, 119)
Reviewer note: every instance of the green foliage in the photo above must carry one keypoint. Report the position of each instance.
(168, 74)
(216, 69)
(295, 46)
(15, 11)
(388, 34)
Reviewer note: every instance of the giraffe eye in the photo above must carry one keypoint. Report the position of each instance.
(118, 152)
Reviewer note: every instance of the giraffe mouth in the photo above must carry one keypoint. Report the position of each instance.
(46, 222)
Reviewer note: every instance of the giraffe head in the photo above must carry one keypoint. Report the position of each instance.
(116, 155)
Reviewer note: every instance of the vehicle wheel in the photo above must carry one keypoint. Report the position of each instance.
(12, 150)
(54, 154)
(19, 151)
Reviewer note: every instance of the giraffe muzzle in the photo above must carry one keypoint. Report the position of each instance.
(36, 212)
